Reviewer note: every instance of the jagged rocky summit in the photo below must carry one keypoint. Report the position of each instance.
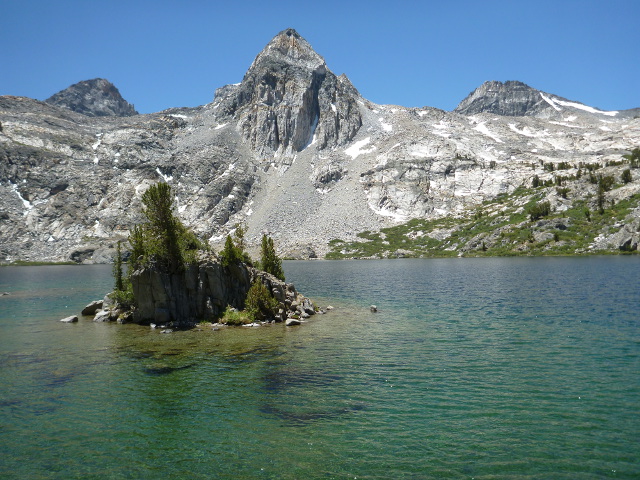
(202, 292)
(95, 98)
(294, 151)
(289, 97)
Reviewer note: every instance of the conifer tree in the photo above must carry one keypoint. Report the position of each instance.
(117, 269)
(270, 262)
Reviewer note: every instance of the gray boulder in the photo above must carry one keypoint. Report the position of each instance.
(71, 319)
(102, 316)
(292, 322)
(92, 308)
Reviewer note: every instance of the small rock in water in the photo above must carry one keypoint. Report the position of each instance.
(330, 307)
(292, 321)
(71, 319)
(5, 293)
(373, 308)
(168, 330)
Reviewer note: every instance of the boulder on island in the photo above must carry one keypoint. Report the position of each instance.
(92, 308)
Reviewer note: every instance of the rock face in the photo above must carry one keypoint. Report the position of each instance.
(289, 98)
(204, 291)
(295, 152)
(94, 98)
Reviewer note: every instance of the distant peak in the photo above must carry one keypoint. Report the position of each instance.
(97, 97)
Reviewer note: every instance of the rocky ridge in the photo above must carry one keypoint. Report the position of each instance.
(292, 151)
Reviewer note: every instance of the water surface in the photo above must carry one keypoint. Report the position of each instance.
(472, 368)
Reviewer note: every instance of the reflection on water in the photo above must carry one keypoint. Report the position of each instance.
(484, 368)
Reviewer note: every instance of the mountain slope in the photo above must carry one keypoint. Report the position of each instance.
(293, 151)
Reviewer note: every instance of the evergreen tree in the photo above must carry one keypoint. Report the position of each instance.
(270, 262)
(162, 227)
(117, 269)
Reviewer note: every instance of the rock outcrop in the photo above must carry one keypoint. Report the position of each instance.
(95, 98)
(204, 291)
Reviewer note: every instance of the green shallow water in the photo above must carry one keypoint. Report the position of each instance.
(472, 368)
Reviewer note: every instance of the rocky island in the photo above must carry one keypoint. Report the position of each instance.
(175, 280)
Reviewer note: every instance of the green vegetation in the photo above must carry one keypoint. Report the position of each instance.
(269, 261)
(117, 268)
(500, 227)
(539, 210)
(260, 303)
(162, 240)
(232, 254)
(234, 317)
(633, 158)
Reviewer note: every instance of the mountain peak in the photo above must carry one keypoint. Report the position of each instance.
(289, 97)
(97, 97)
(289, 48)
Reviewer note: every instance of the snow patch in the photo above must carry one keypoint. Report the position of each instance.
(27, 204)
(394, 214)
(482, 128)
(218, 127)
(550, 102)
(166, 178)
(358, 148)
(177, 115)
(586, 108)
(387, 127)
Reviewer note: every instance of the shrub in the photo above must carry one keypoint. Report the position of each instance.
(539, 210)
(634, 158)
(626, 176)
(260, 304)
(234, 317)
(535, 183)
(605, 182)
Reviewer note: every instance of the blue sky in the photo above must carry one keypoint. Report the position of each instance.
(163, 54)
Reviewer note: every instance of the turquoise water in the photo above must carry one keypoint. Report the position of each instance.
(472, 368)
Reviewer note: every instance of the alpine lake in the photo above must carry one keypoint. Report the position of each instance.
(488, 368)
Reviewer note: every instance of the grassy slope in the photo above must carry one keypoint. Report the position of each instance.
(503, 226)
